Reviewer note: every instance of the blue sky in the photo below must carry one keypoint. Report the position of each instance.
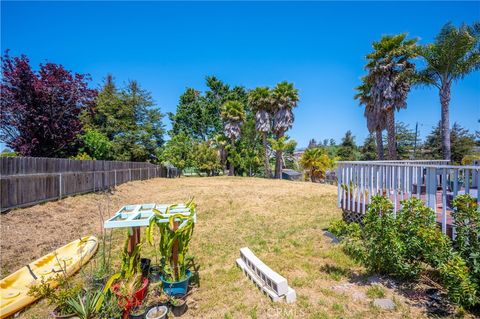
(320, 46)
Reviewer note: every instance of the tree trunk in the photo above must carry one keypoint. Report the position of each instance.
(278, 160)
(378, 135)
(445, 124)
(266, 162)
(231, 172)
(392, 145)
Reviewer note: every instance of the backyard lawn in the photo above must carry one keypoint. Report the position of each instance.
(282, 222)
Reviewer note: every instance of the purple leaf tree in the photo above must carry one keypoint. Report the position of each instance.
(40, 110)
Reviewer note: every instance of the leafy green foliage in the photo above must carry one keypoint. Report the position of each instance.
(56, 296)
(369, 149)
(86, 306)
(128, 119)
(206, 158)
(178, 231)
(348, 150)
(342, 229)
(96, 145)
(178, 151)
(317, 162)
(458, 282)
(461, 140)
(399, 245)
(466, 217)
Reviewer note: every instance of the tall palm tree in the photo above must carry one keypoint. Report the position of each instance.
(260, 101)
(454, 54)
(390, 75)
(376, 119)
(233, 116)
(285, 98)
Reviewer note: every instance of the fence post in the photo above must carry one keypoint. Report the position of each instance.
(94, 181)
(115, 178)
(59, 186)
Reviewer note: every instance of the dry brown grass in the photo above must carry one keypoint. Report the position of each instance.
(280, 221)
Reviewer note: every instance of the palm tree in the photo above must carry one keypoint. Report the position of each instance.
(317, 162)
(390, 74)
(285, 98)
(281, 145)
(233, 115)
(454, 54)
(260, 100)
(376, 119)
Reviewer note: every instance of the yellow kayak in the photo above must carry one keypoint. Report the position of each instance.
(69, 258)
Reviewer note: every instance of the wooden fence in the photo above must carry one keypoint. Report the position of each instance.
(26, 181)
(434, 182)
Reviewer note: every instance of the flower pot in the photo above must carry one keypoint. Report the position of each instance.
(137, 313)
(130, 302)
(145, 266)
(176, 287)
(56, 314)
(158, 312)
(155, 274)
(180, 308)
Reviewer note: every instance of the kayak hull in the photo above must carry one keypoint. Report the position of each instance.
(66, 260)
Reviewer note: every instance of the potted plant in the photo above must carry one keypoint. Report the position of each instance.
(145, 266)
(154, 274)
(157, 312)
(86, 306)
(137, 312)
(176, 231)
(178, 304)
(129, 287)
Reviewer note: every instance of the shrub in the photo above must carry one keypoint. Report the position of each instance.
(385, 251)
(418, 230)
(343, 229)
(456, 279)
(466, 217)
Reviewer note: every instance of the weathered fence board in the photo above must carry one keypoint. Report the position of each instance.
(26, 181)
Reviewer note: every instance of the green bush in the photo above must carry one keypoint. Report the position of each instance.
(386, 253)
(342, 229)
(401, 245)
(466, 217)
(457, 280)
(418, 230)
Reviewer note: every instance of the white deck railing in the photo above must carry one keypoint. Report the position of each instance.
(435, 182)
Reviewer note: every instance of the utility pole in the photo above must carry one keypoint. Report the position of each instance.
(415, 144)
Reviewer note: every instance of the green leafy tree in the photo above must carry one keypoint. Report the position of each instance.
(369, 151)
(454, 54)
(96, 145)
(390, 75)
(206, 158)
(129, 120)
(405, 140)
(178, 151)
(286, 147)
(233, 116)
(348, 150)
(461, 140)
(260, 101)
(285, 98)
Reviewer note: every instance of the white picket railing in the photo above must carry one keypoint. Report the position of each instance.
(435, 182)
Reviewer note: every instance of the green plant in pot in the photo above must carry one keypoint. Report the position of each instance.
(128, 284)
(175, 232)
(87, 305)
(179, 305)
